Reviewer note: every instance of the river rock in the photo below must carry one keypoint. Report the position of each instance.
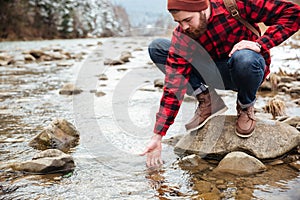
(125, 55)
(159, 83)
(64, 64)
(35, 53)
(6, 59)
(295, 165)
(193, 162)
(239, 163)
(295, 91)
(217, 138)
(56, 55)
(29, 57)
(287, 79)
(103, 77)
(48, 161)
(60, 134)
(292, 121)
(109, 61)
(70, 89)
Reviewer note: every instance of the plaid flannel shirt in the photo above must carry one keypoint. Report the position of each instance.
(223, 32)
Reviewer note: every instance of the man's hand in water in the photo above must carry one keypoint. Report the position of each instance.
(153, 151)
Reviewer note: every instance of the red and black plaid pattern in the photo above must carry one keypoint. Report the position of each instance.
(223, 32)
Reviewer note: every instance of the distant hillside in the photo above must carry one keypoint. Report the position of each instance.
(44, 19)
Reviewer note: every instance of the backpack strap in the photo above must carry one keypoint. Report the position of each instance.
(231, 6)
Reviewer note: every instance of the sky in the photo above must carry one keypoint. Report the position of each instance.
(143, 5)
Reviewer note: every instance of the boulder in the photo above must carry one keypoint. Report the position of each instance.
(217, 138)
(60, 134)
(239, 163)
(46, 162)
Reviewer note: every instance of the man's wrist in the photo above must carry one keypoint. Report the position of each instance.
(157, 136)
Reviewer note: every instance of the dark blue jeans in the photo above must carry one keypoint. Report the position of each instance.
(243, 72)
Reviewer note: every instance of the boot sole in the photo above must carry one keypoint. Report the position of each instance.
(242, 135)
(204, 122)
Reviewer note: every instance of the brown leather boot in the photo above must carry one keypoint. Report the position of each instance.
(210, 105)
(246, 122)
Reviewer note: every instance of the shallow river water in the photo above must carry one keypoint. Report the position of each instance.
(114, 128)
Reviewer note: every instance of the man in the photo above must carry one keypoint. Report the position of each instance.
(241, 57)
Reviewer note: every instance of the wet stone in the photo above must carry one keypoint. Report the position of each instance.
(100, 94)
(60, 134)
(48, 161)
(159, 83)
(125, 55)
(103, 77)
(210, 196)
(217, 138)
(239, 163)
(70, 89)
(193, 162)
(109, 61)
(295, 165)
(202, 186)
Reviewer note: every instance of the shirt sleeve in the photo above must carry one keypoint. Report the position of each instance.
(177, 75)
(282, 18)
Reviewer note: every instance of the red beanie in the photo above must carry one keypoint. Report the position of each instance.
(188, 5)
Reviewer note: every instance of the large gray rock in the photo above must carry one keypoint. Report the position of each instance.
(217, 138)
(60, 134)
(45, 162)
(239, 163)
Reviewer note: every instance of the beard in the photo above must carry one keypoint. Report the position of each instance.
(195, 33)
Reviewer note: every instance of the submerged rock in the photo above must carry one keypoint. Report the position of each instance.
(239, 163)
(295, 165)
(45, 162)
(193, 162)
(60, 134)
(217, 138)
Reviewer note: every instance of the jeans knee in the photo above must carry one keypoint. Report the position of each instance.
(158, 50)
(159, 45)
(152, 48)
(246, 62)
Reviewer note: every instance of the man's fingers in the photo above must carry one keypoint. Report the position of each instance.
(232, 51)
(147, 150)
(160, 161)
(148, 161)
(144, 153)
(153, 160)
